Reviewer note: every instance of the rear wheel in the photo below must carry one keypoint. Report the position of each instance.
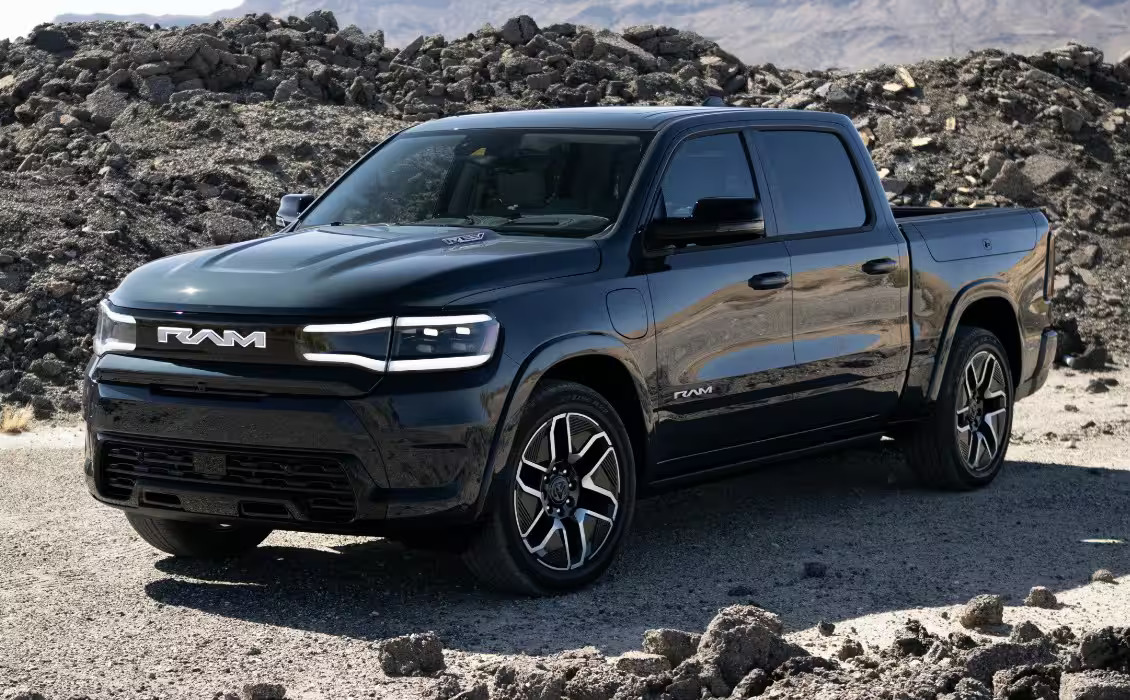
(565, 500)
(963, 444)
(184, 538)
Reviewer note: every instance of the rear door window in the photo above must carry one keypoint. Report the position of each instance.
(812, 182)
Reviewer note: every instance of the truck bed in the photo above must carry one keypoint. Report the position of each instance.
(958, 234)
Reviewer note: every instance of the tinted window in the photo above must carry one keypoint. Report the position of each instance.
(709, 166)
(813, 183)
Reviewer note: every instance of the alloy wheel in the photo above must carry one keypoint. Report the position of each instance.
(982, 414)
(567, 491)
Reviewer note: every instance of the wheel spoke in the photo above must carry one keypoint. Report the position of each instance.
(987, 372)
(534, 522)
(995, 431)
(532, 491)
(560, 438)
(970, 383)
(580, 516)
(588, 484)
(528, 463)
(982, 448)
(556, 527)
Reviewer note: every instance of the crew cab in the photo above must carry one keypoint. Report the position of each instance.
(495, 331)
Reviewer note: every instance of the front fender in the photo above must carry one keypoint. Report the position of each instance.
(531, 371)
(969, 294)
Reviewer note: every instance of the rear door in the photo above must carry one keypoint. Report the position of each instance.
(723, 317)
(850, 279)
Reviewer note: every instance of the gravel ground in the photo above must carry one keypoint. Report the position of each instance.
(88, 609)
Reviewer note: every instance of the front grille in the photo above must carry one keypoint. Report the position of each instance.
(317, 485)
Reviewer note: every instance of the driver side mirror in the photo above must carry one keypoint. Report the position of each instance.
(290, 206)
(712, 218)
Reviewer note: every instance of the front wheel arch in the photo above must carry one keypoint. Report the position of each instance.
(558, 356)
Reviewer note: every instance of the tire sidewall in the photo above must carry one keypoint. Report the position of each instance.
(972, 342)
(545, 404)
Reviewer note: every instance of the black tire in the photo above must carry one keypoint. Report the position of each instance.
(941, 453)
(184, 538)
(497, 553)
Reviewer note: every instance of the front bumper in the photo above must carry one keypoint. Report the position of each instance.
(1049, 344)
(412, 454)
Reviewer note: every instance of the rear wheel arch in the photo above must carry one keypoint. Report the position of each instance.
(989, 306)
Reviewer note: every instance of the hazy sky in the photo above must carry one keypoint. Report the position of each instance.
(19, 16)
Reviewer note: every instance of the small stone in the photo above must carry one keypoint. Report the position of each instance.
(411, 655)
(849, 650)
(1097, 386)
(826, 629)
(1104, 576)
(982, 610)
(1025, 632)
(1040, 597)
(921, 142)
(1072, 120)
(264, 691)
(905, 76)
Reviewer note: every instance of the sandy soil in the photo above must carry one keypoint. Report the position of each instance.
(87, 608)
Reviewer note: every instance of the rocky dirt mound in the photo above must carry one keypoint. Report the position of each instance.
(120, 143)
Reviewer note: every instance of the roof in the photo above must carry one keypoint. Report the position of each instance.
(625, 118)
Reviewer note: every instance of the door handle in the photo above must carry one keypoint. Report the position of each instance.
(769, 280)
(882, 266)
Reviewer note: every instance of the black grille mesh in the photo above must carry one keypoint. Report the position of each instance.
(317, 485)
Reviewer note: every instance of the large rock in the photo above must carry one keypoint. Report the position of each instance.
(981, 663)
(411, 655)
(1094, 685)
(105, 104)
(1044, 170)
(1108, 648)
(744, 637)
(519, 30)
(1012, 182)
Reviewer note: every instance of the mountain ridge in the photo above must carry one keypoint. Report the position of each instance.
(812, 34)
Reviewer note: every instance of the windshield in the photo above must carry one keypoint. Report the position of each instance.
(570, 183)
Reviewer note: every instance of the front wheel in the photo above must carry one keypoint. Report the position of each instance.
(201, 540)
(565, 499)
(963, 443)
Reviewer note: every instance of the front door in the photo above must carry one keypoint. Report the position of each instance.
(723, 318)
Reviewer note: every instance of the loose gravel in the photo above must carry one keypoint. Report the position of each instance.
(87, 609)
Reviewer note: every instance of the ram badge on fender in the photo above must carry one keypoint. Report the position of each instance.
(495, 331)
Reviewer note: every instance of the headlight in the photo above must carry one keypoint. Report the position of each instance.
(362, 344)
(404, 344)
(442, 342)
(115, 333)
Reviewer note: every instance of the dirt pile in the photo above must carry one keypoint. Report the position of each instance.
(120, 143)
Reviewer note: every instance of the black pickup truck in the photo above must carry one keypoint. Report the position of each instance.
(495, 331)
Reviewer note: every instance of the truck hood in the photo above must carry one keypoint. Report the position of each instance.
(351, 270)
